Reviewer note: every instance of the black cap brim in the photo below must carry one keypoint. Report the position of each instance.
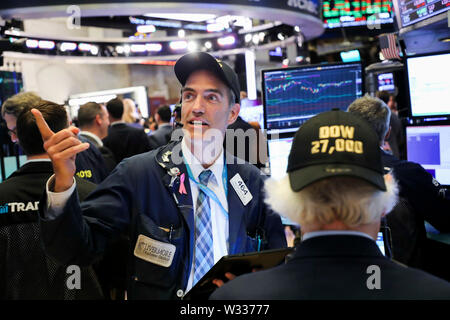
(303, 177)
(202, 61)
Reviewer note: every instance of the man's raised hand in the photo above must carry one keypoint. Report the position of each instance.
(62, 148)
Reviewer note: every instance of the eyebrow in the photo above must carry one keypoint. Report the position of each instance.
(207, 90)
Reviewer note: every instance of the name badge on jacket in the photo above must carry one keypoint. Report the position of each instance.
(241, 189)
(154, 251)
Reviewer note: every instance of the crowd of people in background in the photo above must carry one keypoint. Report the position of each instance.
(116, 131)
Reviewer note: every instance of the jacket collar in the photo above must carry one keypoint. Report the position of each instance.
(337, 246)
(33, 167)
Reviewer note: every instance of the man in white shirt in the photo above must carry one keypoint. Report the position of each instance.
(185, 205)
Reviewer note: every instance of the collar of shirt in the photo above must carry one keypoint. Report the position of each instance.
(313, 234)
(196, 167)
(165, 125)
(39, 160)
(117, 122)
(93, 136)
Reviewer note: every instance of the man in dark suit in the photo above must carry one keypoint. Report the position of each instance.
(185, 205)
(123, 140)
(162, 135)
(93, 121)
(337, 191)
(26, 272)
(422, 198)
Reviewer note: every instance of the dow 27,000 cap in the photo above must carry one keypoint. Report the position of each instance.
(204, 61)
(335, 143)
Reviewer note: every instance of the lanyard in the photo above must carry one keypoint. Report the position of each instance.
(207, 190)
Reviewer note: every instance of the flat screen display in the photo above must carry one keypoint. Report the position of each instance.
(386, 82)
(293, 95)
(429, 84)
(413, 11)
(430, 147)
(279, 150)
(346, 13)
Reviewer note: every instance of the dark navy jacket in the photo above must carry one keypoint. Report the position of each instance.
(138, 196)
(421, 198)
(336, 267)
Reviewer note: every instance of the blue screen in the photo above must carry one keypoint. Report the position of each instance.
(293, 95)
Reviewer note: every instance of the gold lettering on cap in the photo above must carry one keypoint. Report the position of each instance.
(336, 131)
(324, 132)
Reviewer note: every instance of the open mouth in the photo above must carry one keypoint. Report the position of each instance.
(198, 123)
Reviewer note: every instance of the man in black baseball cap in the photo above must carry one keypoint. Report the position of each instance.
(335, 190)
(195, 61)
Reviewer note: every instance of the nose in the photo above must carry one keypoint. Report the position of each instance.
(198, 105)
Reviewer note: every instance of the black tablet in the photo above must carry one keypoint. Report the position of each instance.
(237, 264)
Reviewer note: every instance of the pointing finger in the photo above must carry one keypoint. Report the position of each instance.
(43, 127)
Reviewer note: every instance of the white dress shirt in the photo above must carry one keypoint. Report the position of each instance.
(219, 221)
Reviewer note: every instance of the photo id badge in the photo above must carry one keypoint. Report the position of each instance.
(154, 251)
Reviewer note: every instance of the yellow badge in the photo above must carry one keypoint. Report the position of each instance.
(154, 251)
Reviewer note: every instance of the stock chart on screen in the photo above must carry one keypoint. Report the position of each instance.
(293, 95)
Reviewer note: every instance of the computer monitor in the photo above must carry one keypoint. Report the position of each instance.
(278, 156)
(252, 111)
(411, 12)
(430, 147)
(293, 95)
(350, 56)
(386, 82)
(429, 84)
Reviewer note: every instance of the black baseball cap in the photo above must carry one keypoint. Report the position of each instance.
(335, 143)
(204, 61)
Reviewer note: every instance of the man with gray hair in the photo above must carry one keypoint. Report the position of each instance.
(337, 191)
(13, 106)
(421, 196)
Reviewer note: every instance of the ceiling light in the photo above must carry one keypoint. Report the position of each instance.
(192, 17)
(214, 27)
(255, 39)
(148, 28)
(153, 47)
(30, 43)
(138, 48)
(297, 29)
(94, 50)
(280, 36)
(46, 44)
(68, 46)
(181, 33)
(248, 37)
(178, 45)
(226, 41)
(208, 45)
(192, 46)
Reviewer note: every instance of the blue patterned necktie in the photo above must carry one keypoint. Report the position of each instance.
(204, 254)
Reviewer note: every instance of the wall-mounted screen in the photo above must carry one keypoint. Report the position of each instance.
(346, 13)
(413, 11)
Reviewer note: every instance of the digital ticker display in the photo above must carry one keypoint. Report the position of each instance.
(351, 13)
(412, 11)
(293, 95)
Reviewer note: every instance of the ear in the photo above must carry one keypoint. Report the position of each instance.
(98, 119)
(388, 134)
(234, 113)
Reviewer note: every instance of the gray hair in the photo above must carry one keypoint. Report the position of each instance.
(375, 111)
(350, 200)
(17, 103)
